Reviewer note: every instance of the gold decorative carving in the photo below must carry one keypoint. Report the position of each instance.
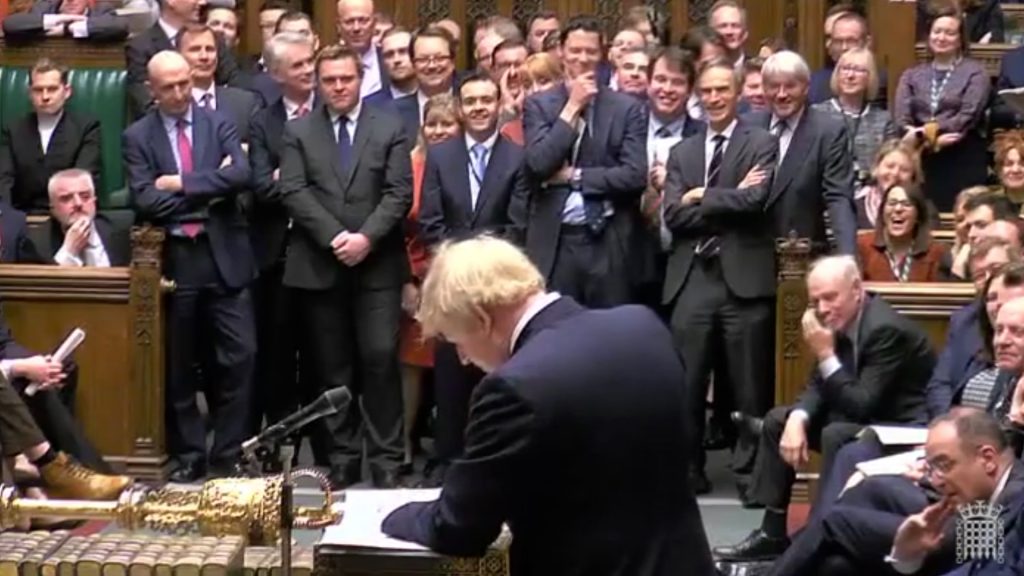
(147, 337)
(794, 256)
(247, 507)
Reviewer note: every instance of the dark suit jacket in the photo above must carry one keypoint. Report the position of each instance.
(141, 48)
(407, 107)
(607, 502)
(894, 360)
(816, 175)
(1011, 75)
(239, 106)
(371, 197)
(16, 244)
(959, 361)
(25, 170)
(264, 85)
(116, 240)
(268, 219)
(736, 215)
(446, 209)
(148, 155)
(101, 22)
(613, 159)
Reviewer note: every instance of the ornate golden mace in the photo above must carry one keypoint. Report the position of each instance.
(247, 507)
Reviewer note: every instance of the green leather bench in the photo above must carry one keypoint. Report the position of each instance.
(98, 92)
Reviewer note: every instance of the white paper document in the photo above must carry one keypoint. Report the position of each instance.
(890, 465)
(363, 513)
(901, 435)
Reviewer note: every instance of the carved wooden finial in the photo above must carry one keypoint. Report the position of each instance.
(794, 256)
(147, 243)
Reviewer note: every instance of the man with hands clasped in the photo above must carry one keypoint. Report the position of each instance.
(872, 367)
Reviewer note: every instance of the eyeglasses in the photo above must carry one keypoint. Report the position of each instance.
(431, 60)
(899, 203)
(938, 469)
(852, 69)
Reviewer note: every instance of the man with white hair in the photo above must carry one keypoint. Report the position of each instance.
(872, 367)
(78, 236)
(580, 496)
(815, 171)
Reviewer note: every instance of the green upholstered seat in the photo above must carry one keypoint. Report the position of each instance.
(99, 92)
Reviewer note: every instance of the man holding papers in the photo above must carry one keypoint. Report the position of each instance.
(577, 435)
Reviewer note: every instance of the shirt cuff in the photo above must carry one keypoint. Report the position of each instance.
(49, 20)
(79, 29)
(5, 369)
(65, 258)
(829, 366)
(802, 414)
(904, 566)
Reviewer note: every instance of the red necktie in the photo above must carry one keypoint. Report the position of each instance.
(185, 155)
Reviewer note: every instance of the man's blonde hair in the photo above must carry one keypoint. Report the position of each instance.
(469, 278)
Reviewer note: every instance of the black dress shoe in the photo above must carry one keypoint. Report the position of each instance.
(758, 546)
(344, 475)
(187, 472)
(699, 482)
(433, 475)
(747, 425)
(715, 437)
(384, 478)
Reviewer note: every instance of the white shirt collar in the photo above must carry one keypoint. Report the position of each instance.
(676, 126)
(49, 121)
(171, 122)
(353, 114)
(488, 144)
(727, 132)
(171, 31)
(198, 93)
(396, 93)
(534, 309)
(1001, 486)
(291, 108)
(791, 123)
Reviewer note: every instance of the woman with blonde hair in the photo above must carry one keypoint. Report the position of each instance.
(894, 163)
(855, 86)
(539, 72)
(440, 122)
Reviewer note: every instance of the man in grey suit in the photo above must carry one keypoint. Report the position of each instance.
(67, 18)
(721, 271)
(346, 181)
(198, 44)
(815, 171)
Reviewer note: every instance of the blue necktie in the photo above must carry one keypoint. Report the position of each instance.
(479, 153)
(344, 143)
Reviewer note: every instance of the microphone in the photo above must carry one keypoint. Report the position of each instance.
(330, 402)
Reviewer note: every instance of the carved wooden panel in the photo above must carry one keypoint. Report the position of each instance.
(523, 11)
(477, 9)
(431, 11)
(699, 11)
(609, 12)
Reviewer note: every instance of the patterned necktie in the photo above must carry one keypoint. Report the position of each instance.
(206, 101)
(190, 229)
(663, 132)
(302, 111)
(479, 154)
(710, 245)
(344, 143)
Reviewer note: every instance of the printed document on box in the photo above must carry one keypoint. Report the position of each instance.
(363, 513)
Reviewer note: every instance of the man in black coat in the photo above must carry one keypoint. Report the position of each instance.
(69, 18)
(577, 437)
(872, 368)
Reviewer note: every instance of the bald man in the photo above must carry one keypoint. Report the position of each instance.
(185, 169)
(356, 25)
(872, 367)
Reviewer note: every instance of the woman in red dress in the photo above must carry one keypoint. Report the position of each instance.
(440, 122)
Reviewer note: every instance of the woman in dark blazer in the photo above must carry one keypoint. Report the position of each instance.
(901, 248)
(938, 108)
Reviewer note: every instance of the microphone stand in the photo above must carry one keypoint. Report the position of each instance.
(287, 452)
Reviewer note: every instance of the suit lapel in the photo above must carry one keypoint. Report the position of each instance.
(459, 167)
(32, 135)
(162, 143)
(698, 159)
(329, 141)
(733, 151)
(160, 39)
(58, 139)
(796, 155)
(493, 176)
(364, 124)
(201, 132)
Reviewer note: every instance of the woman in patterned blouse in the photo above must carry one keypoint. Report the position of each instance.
(938, 108)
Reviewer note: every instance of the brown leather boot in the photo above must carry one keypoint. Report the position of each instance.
(65, 479)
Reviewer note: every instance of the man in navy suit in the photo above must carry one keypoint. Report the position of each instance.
(289, 60)
(577, 435)
(394, 51)
(587, 161)
(471, 185)
(433, 57)
(185, 168)
(1011, 75)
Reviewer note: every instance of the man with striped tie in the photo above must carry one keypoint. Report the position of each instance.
(720, 279)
